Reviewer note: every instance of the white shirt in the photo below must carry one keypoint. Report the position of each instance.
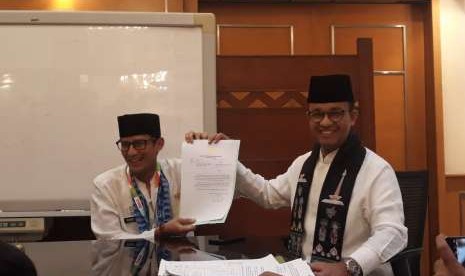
(111, 258)
(374, 230)
(111, 202)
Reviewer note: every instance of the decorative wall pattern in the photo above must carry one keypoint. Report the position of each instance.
(262, 99)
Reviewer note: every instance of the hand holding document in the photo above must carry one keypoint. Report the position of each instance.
(252, 267)
(208, 180)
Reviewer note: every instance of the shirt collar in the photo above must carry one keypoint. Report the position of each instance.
(329, 157)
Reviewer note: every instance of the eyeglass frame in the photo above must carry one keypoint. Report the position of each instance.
(334, 116)
(131, 143)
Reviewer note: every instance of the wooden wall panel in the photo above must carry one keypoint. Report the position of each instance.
(416, 102)
(390, 119)
(437, 208)
(455, 185)
(388, 56)
(255, 40)
(190, 6)
(262, 102)
(312, 35)
(263, 131)
(387, 44)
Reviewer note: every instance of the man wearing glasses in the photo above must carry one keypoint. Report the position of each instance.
(141, 197)
(347, 213)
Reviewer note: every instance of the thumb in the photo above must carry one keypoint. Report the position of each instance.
(186, 220)
(315, 266)
(446, 253)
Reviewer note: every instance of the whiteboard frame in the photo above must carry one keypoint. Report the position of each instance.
(151, 19)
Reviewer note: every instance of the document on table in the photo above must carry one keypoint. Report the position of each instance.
(252, 267)
(208, 180)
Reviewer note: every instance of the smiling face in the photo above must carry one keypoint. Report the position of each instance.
(330, 123)
(140, 153)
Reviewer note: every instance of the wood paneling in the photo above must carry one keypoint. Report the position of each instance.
(190, 6)
(262, 102)
(455, 184)
(438, 209)
(255, 40)
(312, 36)
(390, 100)
(390, 119)
(387, 44)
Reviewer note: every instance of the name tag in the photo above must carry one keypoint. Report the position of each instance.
(129, 219)
(129, 244)
(135, 243)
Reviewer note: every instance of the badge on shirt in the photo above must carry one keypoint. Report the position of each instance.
(129, 219)
(130, 243)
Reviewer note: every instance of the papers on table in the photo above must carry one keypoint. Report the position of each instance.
(296, 267)
(208, 180)
(251, 267)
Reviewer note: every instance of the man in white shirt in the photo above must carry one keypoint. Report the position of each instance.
(141, 197)
(347, 211)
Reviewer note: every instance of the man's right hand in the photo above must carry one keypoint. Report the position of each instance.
(215, 138)
(176, 226)
(448, 264)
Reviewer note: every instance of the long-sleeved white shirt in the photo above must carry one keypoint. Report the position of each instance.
(374, 230)
(111, 201)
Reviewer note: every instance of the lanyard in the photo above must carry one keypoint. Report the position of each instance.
(135, 195)
(140, 259)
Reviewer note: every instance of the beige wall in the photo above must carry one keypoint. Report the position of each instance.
(452, 14)
(452, 38)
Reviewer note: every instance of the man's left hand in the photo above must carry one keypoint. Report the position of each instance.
(212, 139)
(267, 273)
(330, 269)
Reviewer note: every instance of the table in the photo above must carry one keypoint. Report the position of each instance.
(118, 257)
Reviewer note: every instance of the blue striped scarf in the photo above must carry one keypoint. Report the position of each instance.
(164, 213)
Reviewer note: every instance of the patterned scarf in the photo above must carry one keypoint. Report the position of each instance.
(333, 204)
(141, 215)
(140, 255)
(164, 213)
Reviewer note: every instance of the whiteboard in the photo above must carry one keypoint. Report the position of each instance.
(66, 76)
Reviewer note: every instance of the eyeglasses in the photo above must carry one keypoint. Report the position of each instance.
(139, 144)
(318, 116)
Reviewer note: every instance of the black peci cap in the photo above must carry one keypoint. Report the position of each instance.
(330, 88)
(136, 124)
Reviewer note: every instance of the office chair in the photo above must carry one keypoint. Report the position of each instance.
(414, 189)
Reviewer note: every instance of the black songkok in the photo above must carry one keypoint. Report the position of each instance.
(330, 88)
(137, 124)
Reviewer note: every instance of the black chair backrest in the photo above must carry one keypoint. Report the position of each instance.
(414, 189)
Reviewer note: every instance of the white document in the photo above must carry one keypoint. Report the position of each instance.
(208, 180)
(253, 267)
(297, 267)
